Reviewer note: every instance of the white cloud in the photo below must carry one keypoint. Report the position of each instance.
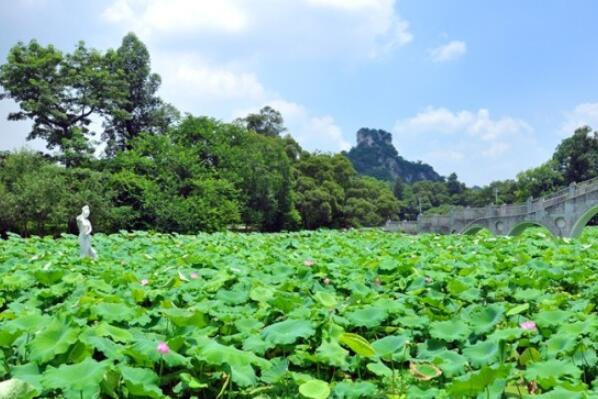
(448, 52)
(471, 143)
(376, 20)
(205, 80)
(585, 114)
(478, 124)
(199, 86)
(178, 16)
(332, 28)
(353, 5)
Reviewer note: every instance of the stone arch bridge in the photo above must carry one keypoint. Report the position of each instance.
(564, 213)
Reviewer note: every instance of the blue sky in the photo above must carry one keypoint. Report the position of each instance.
(482, 88)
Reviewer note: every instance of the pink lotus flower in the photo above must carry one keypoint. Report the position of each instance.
(194, 275)
(144, 281)
(528, 325)
(326, 281)
(163, 348)
(309, 262)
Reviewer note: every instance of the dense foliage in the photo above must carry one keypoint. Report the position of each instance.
(360, 314)
(203, 175)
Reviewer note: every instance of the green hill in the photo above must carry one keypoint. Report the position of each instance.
(376, 156)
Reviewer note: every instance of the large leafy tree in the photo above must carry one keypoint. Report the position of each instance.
(141, 109)
(60, 93)
(257, 165)
(268, 122)
(577, 156)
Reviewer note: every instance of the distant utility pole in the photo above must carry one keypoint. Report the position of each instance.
(495, 195)
(419, 200)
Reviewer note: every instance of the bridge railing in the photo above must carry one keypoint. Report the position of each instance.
(406, 226)
(470, 214)
(587, 186)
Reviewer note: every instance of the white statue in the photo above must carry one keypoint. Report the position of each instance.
(84, 226)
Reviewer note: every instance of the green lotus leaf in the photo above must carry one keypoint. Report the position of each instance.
(551, 318)
(355, 390)
(185, 317)
(248, 325)
(212, 352)
(326, 299)
(483, 318)
(242, 374)
(391, 347)
(116, 333)
(450, 330)
(107, 347)
(49, 277)
(550, 372)
(471, 384)
(369, 316)
(560, 344)
(331, 353)
(315, 389)
(141, 382)
(288, 331)
(561, 393)
(279, 367)
(380, 369)
(518, 309)
(30, 323)
(450, 362)
(54, 340)
(83, 376)
(506, 334)
(357, 344)
(261, 294)
(256, 344)
(482, 353)
(114, 311)
(419, 393)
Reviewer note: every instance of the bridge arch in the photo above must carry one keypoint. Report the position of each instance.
(583, 221)
(474, 228)
(524, 225)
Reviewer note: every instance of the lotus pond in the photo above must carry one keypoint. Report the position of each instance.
(357, 314)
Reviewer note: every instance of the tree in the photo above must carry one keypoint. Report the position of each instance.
(257, 165)
(141, 109)
(577, 156)
(60, 92)
(268, 122)
(39, 197)
(169, 189)
(453, 185)
(538, 181)
(398, 188)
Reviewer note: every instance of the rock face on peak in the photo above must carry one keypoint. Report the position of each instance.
(376, 156)
(370, 137)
